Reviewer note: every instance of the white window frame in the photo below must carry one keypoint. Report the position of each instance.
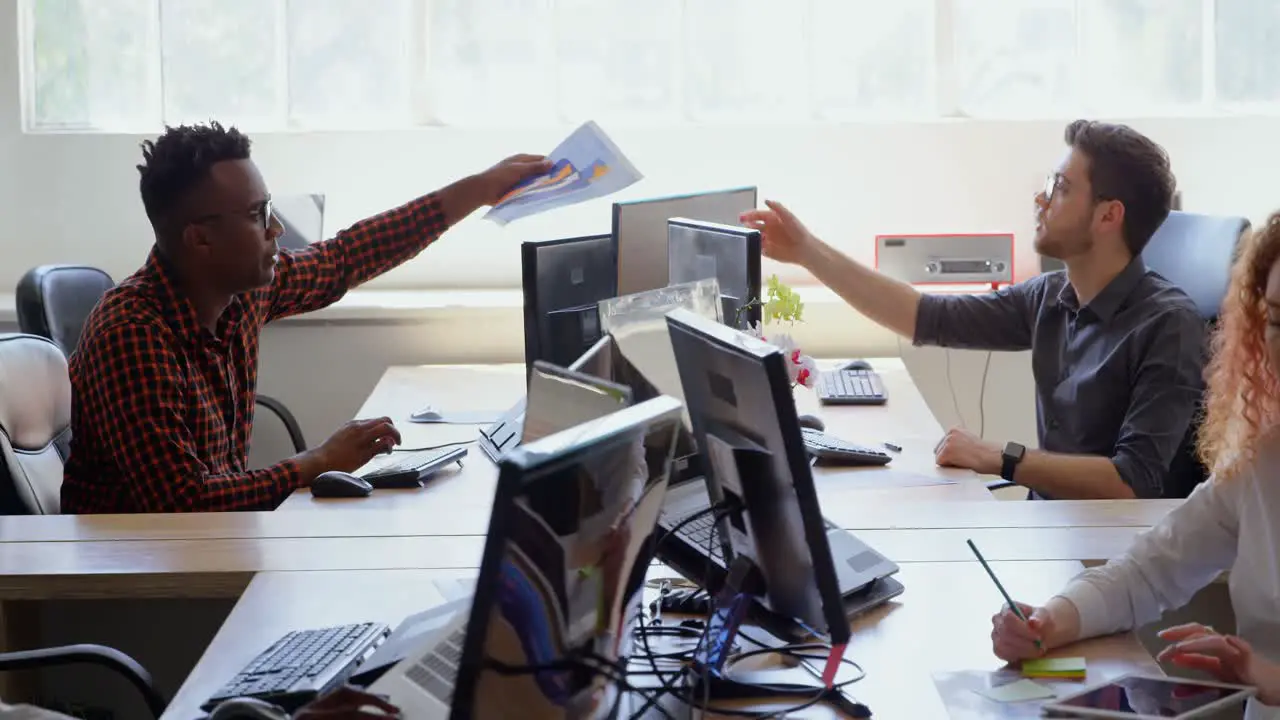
(422, 96)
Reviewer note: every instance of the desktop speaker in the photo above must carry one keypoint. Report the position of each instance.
(980, 258)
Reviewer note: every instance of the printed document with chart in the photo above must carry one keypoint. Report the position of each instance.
(585, 166)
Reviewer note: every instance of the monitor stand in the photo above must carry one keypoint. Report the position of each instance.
(504, 435)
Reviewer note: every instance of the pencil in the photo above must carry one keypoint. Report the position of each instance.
(1012, 605)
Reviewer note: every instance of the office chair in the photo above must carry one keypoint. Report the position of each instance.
(35, 424)
(1194, 252)
(101, 655)
(54, 301)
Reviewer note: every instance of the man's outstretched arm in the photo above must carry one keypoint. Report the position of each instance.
(316, 277)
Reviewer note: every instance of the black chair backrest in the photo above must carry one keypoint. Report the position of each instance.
(53, 301)
(35, 420)
(1195, 252)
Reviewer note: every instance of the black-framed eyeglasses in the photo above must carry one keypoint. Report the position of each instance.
(262, 214)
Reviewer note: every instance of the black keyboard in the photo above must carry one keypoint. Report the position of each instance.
(702, 535)
(302, 665)
(851, 387)
(835, 450)
(410, 469)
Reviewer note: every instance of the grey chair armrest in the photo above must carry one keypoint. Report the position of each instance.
(286, 417)
(94, 655)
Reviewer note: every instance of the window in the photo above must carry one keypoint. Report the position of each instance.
(1247, 35)
(362, 64)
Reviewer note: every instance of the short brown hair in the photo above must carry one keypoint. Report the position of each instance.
(1129, 167)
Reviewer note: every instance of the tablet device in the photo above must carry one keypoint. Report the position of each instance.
(1141, 697)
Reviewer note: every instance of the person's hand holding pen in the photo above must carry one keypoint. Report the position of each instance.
(1020, 631)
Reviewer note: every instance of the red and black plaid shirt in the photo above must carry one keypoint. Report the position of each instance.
(162, 409)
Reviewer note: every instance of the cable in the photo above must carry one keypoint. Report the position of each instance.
(982, 397)
(951, 387)
(441, 446)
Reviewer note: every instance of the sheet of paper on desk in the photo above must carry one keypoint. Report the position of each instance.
(586, 165)
(967, 695)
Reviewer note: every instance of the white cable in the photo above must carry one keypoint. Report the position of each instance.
(951, 387)
(982, 397)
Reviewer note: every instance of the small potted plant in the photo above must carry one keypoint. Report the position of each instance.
(781, 306)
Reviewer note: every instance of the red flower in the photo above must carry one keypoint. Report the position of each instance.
(803, 376)
(795, 357)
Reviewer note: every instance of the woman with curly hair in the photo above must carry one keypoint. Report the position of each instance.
(1229, 523)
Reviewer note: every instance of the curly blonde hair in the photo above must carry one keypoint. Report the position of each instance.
(1242, 402)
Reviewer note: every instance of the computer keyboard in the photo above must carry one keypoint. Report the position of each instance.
(851, 387)
(437, 672)
(835, 450)
(410, 469)
(701, 534)
(303, 664)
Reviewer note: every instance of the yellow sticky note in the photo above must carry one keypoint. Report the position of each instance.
(1018, 691)
(1068, 667)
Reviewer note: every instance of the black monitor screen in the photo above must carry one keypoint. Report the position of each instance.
(570, 536)
(699, 250)
(564, 280)
(640, 227)
(738, 395)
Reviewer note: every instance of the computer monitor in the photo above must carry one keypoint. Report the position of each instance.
(570, 539)
(640, 227)
(698, 249)
(302, 217)
(564, 281)
(738, 395)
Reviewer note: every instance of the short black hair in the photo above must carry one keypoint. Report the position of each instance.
(180, 159)
(1127, 166)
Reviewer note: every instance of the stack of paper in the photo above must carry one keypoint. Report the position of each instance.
(1068, 668)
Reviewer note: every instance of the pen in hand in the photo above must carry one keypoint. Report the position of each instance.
(1012, 605)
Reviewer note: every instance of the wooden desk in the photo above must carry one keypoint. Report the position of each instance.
(941, 623)
(905, 421)
(216, 554)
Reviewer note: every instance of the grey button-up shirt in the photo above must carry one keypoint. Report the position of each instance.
(1120, 377)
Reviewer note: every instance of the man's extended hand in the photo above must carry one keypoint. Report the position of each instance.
(961, 448)
(498, 180)
(784, 237)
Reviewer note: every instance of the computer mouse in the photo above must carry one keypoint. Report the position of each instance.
(813, 422)
(335, 484)
(856, 365)
(248, 709)
(427, 414)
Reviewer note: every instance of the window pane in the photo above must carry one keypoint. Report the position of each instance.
(1141, 54)
(1248, 35)
(617, 59)
(745, 60)
(491, 61)
(98, 79)
(1015, 57)
(220, 61)
(871, 57)
(348, 62)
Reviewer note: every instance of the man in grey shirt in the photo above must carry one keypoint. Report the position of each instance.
(1117, 351)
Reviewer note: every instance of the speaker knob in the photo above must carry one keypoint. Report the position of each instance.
(932, 268)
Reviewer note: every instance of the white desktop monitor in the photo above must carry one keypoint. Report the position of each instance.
(302, 217)
(640, 227)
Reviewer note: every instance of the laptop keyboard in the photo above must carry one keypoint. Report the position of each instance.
(701, 534)
(437, 672)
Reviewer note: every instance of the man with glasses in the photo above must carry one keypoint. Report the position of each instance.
(1117, 351)
(164, 376)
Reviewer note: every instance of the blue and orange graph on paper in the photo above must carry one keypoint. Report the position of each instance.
(587, 165)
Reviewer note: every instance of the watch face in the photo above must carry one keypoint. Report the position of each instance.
(1014, 450)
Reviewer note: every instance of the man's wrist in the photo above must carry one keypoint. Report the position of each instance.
(310, 464)
(463, 197)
